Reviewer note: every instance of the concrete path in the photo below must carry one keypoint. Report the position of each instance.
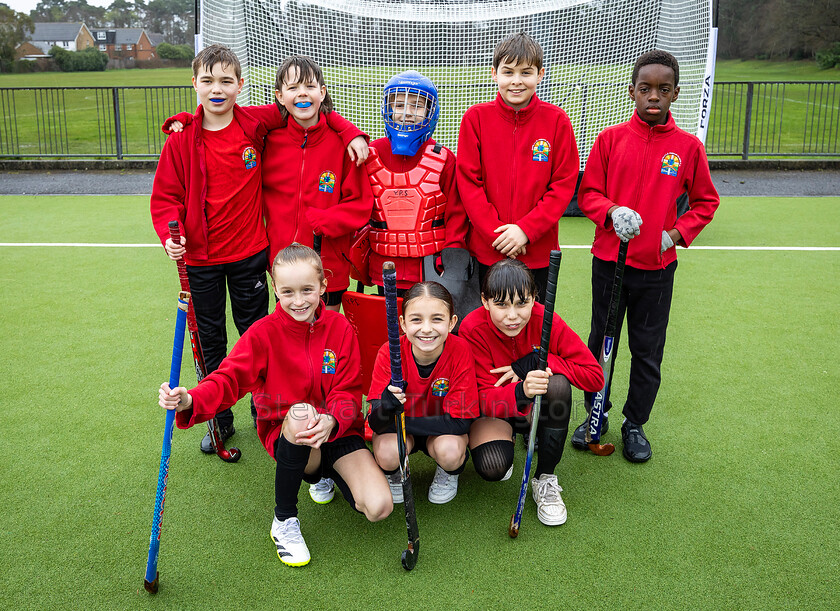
(791, 183)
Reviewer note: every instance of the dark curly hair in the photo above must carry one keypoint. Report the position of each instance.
(657, 57)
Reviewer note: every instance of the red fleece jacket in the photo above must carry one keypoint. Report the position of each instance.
(283, 362)
(180, 184)
(647, 168)
(567, 355)
(449, 389)
(516, 166)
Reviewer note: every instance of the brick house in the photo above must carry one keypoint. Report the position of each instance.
(125, 44)
(68, 36)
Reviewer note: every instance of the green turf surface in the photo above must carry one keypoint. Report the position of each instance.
(739, 507)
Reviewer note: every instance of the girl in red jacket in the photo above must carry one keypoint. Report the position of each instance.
(301, 362)
(439, 399)
(505, 338)
(310, 186)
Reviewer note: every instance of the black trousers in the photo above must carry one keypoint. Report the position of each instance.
(646, 300)
(247, 285)
(540, 277)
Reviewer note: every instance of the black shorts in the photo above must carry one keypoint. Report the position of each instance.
(333, 298)
(331, 451)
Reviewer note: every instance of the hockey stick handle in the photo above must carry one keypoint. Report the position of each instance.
(389, 280)
(618, 278)
(550, 296)
(150, 583)
(316, 243)
(175, 236)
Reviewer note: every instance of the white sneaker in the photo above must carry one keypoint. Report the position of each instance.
(444, 487)
(551, 510)
(507, 475)
(291, 548)
(322, 492)
(395, 483)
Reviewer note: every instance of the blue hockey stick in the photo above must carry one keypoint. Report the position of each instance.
(550, 294)
(151, 580)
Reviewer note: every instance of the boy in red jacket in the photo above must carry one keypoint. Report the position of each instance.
(209, 180)
(634, 175)
(517, 164)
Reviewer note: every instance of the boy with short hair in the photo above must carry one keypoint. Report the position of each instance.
(517, 164)
(634, 175)
(209, 180)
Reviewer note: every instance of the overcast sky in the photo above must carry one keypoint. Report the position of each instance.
(24, 6)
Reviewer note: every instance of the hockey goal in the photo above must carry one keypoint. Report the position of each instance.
(590, 47)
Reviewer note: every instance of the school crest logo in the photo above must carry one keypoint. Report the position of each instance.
(440, 387)
(535, 348)
(249, 156)
(328, 365)
(326, 182)
(540, 150)
(670, 164)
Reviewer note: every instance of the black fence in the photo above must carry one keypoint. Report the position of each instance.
(755, 119)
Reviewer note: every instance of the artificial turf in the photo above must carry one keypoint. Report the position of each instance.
(739, 507)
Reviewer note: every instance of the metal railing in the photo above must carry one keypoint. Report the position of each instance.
(774, 119)
(748, 119)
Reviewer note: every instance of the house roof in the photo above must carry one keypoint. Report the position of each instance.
(56, 31)
(128, 36)
(155, 39)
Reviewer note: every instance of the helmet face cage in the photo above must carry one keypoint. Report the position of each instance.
(408, 109)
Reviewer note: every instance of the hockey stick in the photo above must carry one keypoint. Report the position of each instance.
(596, 414)
(216, 441)
(389, 280)
(151, 580)
(550, 294)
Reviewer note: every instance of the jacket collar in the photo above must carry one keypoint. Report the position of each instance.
(249, 125)
(297, 326)
(522, 115)
(310, 135)
(643, 129)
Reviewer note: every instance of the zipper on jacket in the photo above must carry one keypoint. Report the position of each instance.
(309, 358)
(300, 186)
(513, 176)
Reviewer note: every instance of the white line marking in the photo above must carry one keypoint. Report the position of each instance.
(565, 246)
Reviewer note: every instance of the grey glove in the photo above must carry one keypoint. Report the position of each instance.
(626, 223)
(667, 242)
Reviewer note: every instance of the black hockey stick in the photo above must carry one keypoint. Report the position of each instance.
(596, 414)
(216, 440)
(550, 294)
(389, 280)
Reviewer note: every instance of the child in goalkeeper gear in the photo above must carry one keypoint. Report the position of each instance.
(634, 175)
(301, 362)
(517, 164)
(439, 398)
(417, 211)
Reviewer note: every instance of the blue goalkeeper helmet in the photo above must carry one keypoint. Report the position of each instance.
(410, 110)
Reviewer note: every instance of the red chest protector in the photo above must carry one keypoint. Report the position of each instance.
(408, 210)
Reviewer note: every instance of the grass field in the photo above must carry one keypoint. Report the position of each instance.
(739, 507)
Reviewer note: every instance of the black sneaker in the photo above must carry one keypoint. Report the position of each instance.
(636, 445)
(579, 436)
(226, 433)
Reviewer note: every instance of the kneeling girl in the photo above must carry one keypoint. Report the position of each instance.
(302, 364)
(440, 397)
(505, 340)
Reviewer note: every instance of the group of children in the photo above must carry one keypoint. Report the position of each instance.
(256, 187)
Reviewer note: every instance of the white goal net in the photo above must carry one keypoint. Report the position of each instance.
(590, 47)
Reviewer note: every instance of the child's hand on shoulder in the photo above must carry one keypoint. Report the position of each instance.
(174, 398)
(357, 150)
(536, 383)
(511, 239)
(176, 127)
